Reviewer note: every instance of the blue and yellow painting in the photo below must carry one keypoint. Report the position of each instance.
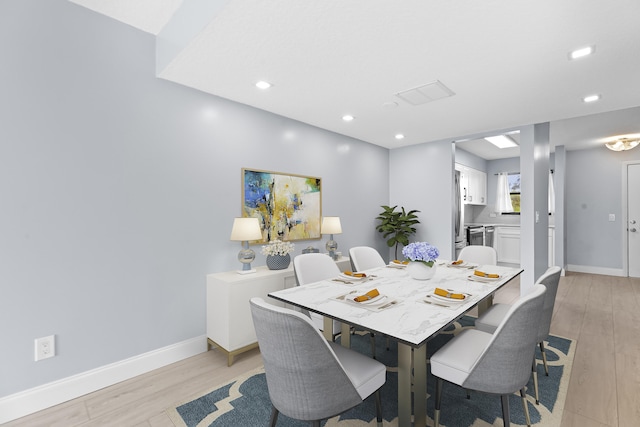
(287, 206)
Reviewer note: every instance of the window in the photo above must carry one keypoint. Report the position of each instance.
(514, 190)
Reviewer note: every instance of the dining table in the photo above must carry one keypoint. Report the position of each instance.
(408, 310)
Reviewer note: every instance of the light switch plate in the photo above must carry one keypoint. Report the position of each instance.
(612, 217)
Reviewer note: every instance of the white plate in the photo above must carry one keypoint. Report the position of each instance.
(462, 264)
(394, 265)
(351, 278)
(447, 300)
(376, 300)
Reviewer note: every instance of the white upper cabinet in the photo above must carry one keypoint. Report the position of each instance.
(474, 185)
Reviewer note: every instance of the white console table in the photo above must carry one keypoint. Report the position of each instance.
(229, 322)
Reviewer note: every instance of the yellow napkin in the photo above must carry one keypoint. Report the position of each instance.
(447, 294)
(349, 273)
(397, 261)
(458, 262)
(483, 274)
(366, 297)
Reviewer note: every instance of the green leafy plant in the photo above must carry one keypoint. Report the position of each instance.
(397, 226)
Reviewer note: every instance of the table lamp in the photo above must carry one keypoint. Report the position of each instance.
(331, 225)
(245, 229)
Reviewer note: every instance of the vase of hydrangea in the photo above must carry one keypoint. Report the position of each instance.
(278, 254)
(422, 256)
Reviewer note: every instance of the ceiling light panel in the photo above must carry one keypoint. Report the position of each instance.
(501, 141)
(591, 98)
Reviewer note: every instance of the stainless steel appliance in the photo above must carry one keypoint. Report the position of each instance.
(475, 235)
(488, 235)
(461, 235)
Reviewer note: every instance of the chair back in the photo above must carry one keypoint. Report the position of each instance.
(483, 255)
(304, 377)
(313, 267)
(505, 365)
(365, 258)
(550, 279)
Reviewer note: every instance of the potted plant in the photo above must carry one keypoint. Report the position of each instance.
(277, 253)
(397, 226)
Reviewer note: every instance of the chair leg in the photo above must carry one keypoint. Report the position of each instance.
(315, 423)
(436, 413)
(525, 407)
(274, 416)
(373, 345)
(378, 408)
(534, 373)
(544, 358)
(505, 410)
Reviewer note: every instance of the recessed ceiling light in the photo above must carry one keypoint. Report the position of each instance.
(501, 141)
(399, 136)
(591, 98)
(347, 118)
(263, 85)
(582, 52)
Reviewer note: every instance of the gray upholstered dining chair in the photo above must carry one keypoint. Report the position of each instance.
(313, 267)
(308, 377)
(497, 363)
(365, 258)
(490, 319)
(483, 255)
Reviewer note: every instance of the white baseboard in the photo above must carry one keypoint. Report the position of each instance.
(596, 270)
(47, 395)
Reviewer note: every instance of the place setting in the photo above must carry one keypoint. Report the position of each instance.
(461, 264)
(448, 298)
(484, 277)
(372, 300)
(352, 278)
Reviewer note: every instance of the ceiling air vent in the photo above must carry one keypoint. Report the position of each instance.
(426, 93)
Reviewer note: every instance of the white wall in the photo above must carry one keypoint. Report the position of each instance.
(119, 190)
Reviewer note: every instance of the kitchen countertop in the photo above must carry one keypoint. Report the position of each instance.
(477, 224)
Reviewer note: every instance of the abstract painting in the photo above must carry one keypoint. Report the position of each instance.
(287, 206)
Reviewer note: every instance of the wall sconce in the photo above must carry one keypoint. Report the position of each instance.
(622, 144)
(331, 225)
(245, 229)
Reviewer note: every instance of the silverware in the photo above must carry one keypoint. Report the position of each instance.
(347, 294)
(435, 303)
(343, 281)
(387, 305)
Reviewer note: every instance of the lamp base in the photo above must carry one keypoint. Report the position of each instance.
(253, 270)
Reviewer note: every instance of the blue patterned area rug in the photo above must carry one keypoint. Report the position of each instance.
(244, 401)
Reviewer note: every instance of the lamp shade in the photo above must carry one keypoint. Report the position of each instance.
(331, 225)
(245, 229)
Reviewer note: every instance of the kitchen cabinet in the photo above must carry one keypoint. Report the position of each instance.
(229, 322)
(473, 185)
(507, 245)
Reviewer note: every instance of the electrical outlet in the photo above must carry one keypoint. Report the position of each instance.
(45, 347)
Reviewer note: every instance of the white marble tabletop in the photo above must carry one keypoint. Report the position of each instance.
(407, 309)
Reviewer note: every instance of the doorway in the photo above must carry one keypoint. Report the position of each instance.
(632, 226)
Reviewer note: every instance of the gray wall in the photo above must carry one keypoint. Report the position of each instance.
(421, 177)
(593, 191)
(119, 191)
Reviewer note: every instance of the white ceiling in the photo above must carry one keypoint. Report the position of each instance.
(505, 60)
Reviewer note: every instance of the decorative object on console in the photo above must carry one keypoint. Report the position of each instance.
(245, 229)
(277, 253)
(331, 225)
(422, 256)
(288, 206)
(398, 225)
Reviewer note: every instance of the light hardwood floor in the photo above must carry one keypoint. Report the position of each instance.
(600, 312)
